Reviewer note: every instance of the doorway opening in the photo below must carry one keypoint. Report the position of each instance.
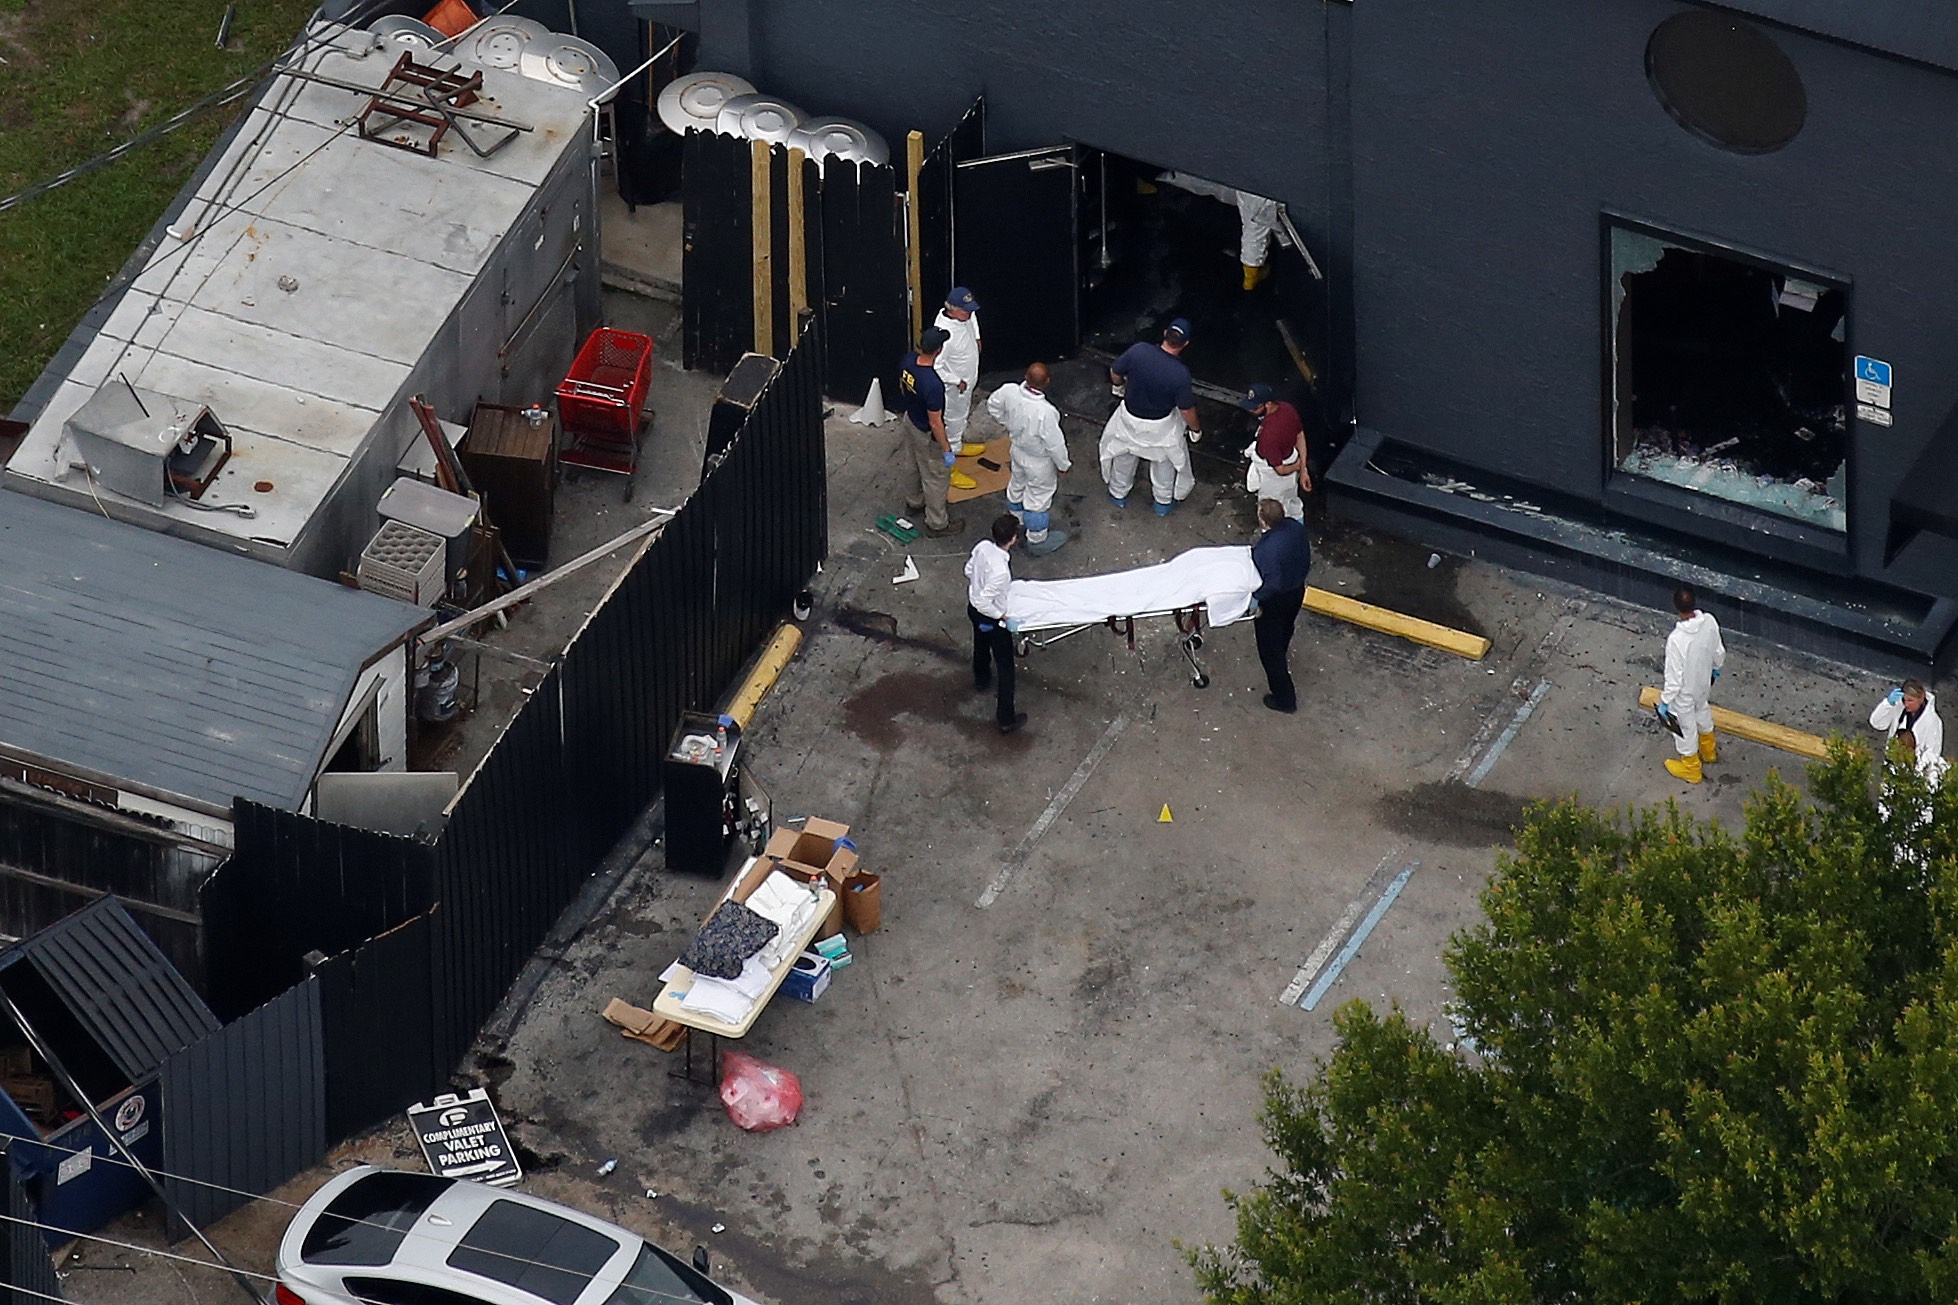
(1162, 245)
(1729, 378)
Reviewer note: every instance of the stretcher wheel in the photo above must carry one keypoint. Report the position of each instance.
(1201, 681)
(1024, 644)
(1196, 643)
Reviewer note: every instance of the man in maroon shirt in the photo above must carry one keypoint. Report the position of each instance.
(1278, 469)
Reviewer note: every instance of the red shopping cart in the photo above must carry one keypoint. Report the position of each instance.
(602, 401)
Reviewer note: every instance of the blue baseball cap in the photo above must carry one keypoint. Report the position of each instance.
(962, 298)
(932, 338)
(1181, 326)
(1260, 395)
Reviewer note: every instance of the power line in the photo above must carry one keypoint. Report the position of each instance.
(648, 1293)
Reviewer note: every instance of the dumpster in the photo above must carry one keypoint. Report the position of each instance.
(89, 1012)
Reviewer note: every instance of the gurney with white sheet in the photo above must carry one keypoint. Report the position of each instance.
(1205, 586)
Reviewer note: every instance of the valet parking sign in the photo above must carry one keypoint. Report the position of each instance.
(461, 1137)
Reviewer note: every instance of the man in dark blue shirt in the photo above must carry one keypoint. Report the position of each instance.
(1158, 411)
(923, 392)
(1283, 556)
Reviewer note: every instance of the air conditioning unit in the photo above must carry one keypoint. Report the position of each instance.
(148, 446)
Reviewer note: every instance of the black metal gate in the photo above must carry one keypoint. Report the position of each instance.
(1017, 245)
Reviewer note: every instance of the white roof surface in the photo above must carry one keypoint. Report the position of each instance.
(383, 245)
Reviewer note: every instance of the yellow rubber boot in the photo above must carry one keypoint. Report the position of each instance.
(1254, 275)
(972, 448)
(962, 481)
(1709, 752)
(1686, 768)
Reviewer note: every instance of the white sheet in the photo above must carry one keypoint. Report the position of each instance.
(1223, 578)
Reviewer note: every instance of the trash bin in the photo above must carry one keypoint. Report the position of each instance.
(701, 777)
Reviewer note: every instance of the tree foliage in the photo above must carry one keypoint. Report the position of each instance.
(1703, 1068)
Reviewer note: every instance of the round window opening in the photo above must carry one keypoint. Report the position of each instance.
(1726, 82)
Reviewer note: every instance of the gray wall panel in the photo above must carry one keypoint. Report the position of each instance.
(1488, 137)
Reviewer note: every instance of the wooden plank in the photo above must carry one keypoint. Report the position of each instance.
(1462, 644)
(914, 162)
(798, 252)
(1753, 729)
(764, 261)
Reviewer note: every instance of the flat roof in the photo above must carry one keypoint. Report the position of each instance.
(301, 310)
(164, 664)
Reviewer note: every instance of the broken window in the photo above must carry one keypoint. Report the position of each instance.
(1729, 378)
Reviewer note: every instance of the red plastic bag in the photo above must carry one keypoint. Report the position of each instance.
(758, 1097)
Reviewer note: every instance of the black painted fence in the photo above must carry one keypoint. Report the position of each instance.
(853, 236)
(413, 944)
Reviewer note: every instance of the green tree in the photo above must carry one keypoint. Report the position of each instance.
(1699, 1067)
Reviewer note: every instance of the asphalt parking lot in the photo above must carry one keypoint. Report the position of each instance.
(1042, 1071)
(1035, 1098)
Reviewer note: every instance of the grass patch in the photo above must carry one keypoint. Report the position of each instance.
(78, 77)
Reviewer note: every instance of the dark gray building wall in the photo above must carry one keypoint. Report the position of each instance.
(1489, 136)
(1233, 92)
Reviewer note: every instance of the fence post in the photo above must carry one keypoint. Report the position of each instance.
(914, 253)
(798, 252)
(764, 261)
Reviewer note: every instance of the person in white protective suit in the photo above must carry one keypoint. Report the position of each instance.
(1694, 656)
(1156, 421)
(1910, 713)
(1039, 455)
(1258, 221)
(958, 367)
(1278, 455)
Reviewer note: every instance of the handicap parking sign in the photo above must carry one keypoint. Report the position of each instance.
(1872, 381)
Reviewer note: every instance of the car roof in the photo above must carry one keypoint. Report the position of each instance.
(424, 1255)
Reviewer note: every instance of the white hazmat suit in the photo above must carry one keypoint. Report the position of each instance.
(1162, 443)
(1258, 222)
(1693, 653)
(1927, 732)
(958, 361)
(1039, 453)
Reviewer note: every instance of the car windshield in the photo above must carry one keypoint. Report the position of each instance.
(548, 1256)
(659, 1279)
(366, 1223)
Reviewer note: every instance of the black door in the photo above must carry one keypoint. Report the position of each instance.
(1015, 246)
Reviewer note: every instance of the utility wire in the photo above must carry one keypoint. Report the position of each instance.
(648, 1292)
(223, 95)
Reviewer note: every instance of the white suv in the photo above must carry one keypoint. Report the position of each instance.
(390, 1237)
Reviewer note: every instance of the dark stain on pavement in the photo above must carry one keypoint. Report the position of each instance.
(1453, 814)
(1395, 573)
(881, 627)
(872, 714)
(813, 1279)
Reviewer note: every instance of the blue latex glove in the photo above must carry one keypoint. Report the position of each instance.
(950, 457)
(1716, 675)
(1896, 696)
(1665, 711)
(1013, 625)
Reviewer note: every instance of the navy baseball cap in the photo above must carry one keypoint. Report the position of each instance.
(1260, 395)
(930, 340)
(1181, 326)
(962, 298)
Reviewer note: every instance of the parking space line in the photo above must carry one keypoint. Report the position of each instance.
(1047, 818)
(1296, 988)
(1360, 935)
(1503, 740)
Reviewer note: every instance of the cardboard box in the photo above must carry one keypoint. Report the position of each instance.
(813, 853)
